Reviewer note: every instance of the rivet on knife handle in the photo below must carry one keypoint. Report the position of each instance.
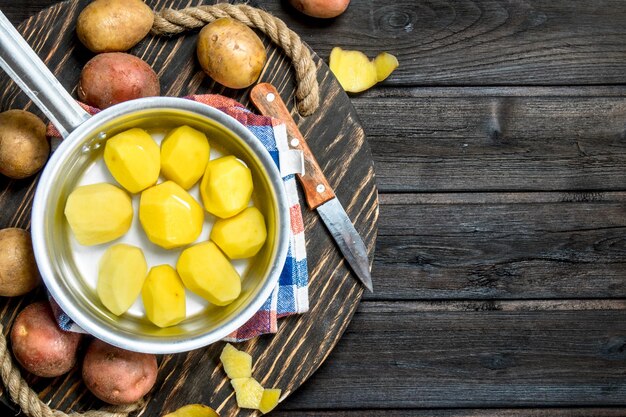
(317, 191)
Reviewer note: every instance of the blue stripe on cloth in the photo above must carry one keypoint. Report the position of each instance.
(286, 300)
(301, 273)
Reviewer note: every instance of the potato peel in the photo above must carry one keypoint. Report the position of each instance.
(356, 72)
(385, 64)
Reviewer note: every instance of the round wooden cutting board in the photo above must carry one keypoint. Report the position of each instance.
(284, 360)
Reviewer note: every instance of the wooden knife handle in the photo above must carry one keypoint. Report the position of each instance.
(316, 188)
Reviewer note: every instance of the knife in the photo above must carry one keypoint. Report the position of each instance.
(318, 192)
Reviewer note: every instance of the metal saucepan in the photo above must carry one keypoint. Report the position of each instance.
(84, 137)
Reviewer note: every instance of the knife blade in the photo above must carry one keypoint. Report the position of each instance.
(317, 191)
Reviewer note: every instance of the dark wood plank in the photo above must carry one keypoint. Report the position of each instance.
(411, 355)
(501, 246)
(466, 42)
(284, 360)
(492, 139)
(499, 412)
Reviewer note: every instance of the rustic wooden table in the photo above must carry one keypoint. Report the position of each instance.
(500, 152)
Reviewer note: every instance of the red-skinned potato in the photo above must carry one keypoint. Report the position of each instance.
(114, 77)
(324, 9)
(118, 376)
(39, 345)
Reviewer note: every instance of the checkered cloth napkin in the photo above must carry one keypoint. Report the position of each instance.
(290, 296)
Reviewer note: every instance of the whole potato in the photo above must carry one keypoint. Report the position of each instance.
(321, 8)
(39, 345)
(24, 148)
(113, 25)
(114, 77)
(118, 376)
(230, 53)
(18, 270)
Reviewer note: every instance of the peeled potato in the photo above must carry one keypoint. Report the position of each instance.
(98, 213)
(163, 296)
(184, 155)
(113, 25)
(207, 272)
(134, 159)
(120, 277)
(24, 148)
(242, 235)
(170, 216)
(230, 53)
(193, 410)
(226, 187)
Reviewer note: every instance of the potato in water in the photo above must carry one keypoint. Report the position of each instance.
(184, 155)
(170, 216)
(163, 296)
(98, 213)
(207, 272)
(134, 159)
(226, 187)
(242, 235)
(120, 277)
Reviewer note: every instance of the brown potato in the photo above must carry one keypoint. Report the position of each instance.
(24, 148)
(118, 376)
(230, 53)
(113, 25)
(18, 270)
(39, 345)
(321, 8)
(114, 77)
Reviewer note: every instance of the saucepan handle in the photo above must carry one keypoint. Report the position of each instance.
(23, 65)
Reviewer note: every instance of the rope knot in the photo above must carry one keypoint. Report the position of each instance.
(170, 22)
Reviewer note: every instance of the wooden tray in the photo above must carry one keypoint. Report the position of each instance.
(284, 360)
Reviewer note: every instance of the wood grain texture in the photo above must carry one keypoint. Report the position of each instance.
(288, 358)
(493, 139)
(499, 265)
(466, 42)
(501, 246)
(498, 412)
(472, 358)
